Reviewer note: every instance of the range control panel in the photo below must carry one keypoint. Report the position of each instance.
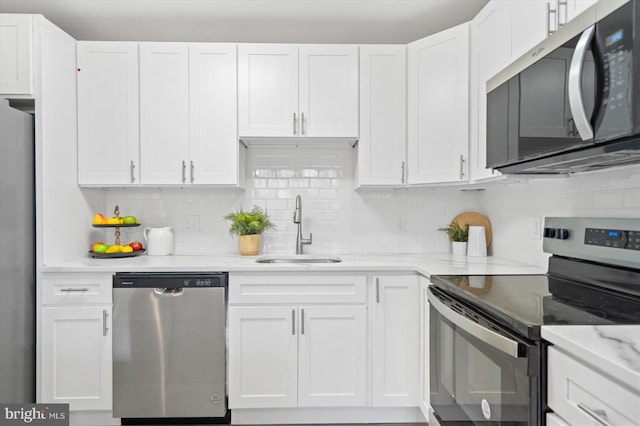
(613, 241)
(614, 238)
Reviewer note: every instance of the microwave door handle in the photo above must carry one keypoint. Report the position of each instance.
(576, 101)
(498, 341)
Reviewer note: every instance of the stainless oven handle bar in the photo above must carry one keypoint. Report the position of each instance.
(599, 416)
(504, 344)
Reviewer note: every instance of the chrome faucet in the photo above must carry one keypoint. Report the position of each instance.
(297, 218)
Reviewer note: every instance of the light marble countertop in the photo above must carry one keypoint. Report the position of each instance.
(425, 264)
(613, 349)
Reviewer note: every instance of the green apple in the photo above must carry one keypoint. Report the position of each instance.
(129, 220)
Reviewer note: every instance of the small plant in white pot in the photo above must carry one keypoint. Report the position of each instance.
(248, 226)
(458, 236)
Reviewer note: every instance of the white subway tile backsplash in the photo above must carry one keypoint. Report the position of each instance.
(344, 221)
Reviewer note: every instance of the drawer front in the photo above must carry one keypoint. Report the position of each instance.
(76, 289)
(296, 288)
(579, 394)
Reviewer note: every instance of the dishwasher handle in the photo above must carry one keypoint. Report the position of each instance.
(168, 292)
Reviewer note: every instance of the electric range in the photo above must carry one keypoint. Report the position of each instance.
(488, 360)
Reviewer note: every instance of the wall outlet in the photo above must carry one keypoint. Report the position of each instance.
(401, 223)
(191, 223)
(535, 232)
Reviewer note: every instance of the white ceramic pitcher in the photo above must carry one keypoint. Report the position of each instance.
(159, 241)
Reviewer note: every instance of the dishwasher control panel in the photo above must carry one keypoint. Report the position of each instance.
(170, 280)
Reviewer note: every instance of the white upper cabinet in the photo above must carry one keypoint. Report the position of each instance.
(287, 90)
(576, 7)
(438, 131)
(108, 144)
(16, 54)
(490, 52)
(328, 93)
(382, 146)
(157, 114)
(213, 130)
(267, 90)
(164, 113)
(531, 22)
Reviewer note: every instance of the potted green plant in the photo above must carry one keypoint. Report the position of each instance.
(458, 235)
(248, 226)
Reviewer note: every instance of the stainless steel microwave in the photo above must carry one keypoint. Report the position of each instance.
(573, 102)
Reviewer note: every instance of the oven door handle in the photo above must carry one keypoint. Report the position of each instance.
(502, 343)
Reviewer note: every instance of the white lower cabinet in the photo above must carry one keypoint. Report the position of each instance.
(297, 356)
(76, 357)
(75, 341)
(395, 341)
(424, 369)
(263, 357)
(580, 394)
(303, 352)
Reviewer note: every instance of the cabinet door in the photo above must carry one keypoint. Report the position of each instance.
(576, 7)
(328, 90)
(263, 356)
(425, 405)
(108, 142)
(16, 53)
(382, 145)
(268, 90)
(529, 24)
(213, 146)
(490, 52)
(395, 341)
(332, 356)
(164, 113)
(76, 357)
(439, 107)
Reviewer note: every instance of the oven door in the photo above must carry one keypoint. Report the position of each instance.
(479, 373)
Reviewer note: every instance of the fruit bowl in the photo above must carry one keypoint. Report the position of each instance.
(117, 255)
(109, 225)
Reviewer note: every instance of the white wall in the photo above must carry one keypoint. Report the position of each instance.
(513, 209)
(343, 221)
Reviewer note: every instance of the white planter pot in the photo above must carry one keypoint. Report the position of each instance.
(459, 248)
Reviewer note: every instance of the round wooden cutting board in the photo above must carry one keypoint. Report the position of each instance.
(475, 219)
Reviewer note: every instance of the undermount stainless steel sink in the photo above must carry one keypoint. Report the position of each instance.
(299, 258)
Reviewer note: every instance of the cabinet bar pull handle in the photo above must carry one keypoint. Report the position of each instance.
(302, 123)
(302, 322)
(377, 290)
(192, 167)
(104, 322)
(293, 322)
(599, 416)
(184, 171)
(74, 289)
(402, 171)
(461, 166)
(295, 124)
(550, 12)
(561, 22)
(133, 176)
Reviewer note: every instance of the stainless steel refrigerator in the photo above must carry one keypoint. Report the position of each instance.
(17, 256)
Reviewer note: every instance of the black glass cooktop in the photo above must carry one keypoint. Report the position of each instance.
(523, 303)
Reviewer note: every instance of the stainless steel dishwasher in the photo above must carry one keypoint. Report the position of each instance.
(169, 347)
